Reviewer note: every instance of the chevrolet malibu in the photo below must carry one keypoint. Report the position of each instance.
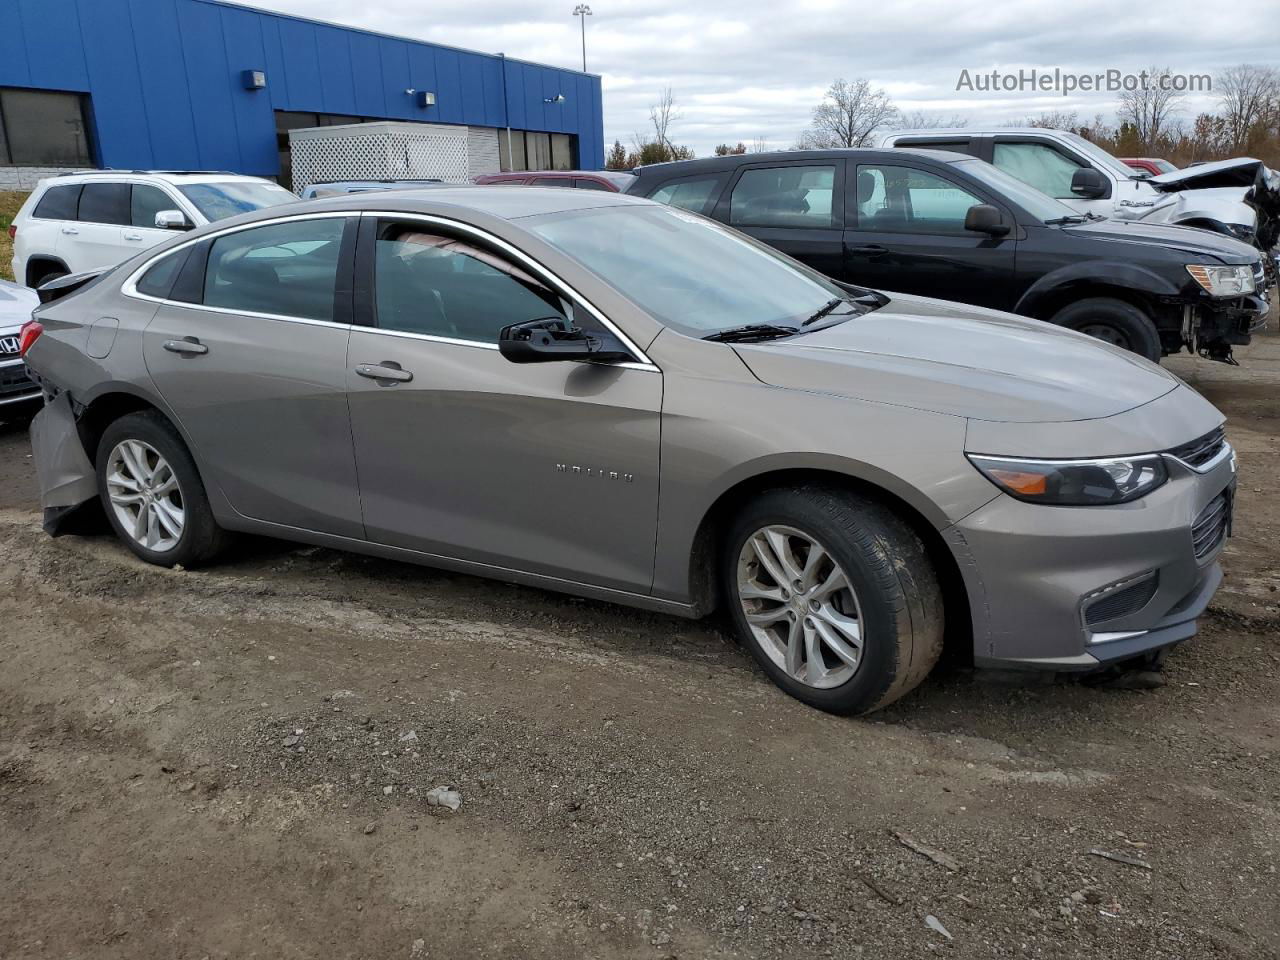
(596, 394)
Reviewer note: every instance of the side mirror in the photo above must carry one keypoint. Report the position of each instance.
(1089, 184)
(550, 339)
(173, 220)
(984, 218)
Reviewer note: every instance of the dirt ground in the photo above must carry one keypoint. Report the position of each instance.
(234, 763)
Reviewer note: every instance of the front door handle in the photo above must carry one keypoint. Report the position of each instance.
(70, 231)
(188, 346)
(869, 250)
(132, 235)
(386, 370)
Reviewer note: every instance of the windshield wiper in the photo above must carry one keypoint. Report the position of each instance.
(825, 309)
(752, 332)
(1073, 218)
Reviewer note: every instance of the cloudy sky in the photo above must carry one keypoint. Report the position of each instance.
(753, 70)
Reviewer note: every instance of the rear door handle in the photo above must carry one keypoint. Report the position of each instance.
(70, 231)
(188, 346)
(132, 235)
(869, 250)
(387, 370)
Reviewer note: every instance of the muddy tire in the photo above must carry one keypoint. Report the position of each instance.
(1113, 321)
(834, 595)
(152, 493)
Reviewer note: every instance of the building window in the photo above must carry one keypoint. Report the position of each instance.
(41, 128)
(534, 150)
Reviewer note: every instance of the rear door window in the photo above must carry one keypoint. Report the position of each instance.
(582, 183)
(284, 269)
(59, 203)
(105, 203)
(552, 182)
(790, 196)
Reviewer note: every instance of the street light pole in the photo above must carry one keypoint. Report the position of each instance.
(583, 11)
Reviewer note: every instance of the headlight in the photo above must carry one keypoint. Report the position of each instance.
(1223, 281)
(1074, 483)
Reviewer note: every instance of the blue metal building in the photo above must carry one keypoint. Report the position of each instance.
(170, 84)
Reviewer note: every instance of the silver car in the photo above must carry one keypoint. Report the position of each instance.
(593, 393)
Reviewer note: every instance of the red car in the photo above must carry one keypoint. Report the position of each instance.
(1152, 165)
(582, 179)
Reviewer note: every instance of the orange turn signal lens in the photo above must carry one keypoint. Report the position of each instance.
(1027, 484)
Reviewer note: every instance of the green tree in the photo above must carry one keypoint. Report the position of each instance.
(617, 158)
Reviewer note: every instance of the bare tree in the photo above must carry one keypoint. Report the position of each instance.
(662, 115)
(849, 116)
(759, 145)
(924, 120)
(1248, 95)
(1148, 110)
(1051, 120)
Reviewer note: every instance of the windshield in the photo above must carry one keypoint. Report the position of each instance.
(1040, 205)
(687, 272)
(229, 197)
(1099, 156)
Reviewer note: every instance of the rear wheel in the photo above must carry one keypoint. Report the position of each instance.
(152, 493)
(835, 597)
(1115, 322)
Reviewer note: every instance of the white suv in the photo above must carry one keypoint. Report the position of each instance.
(88, 221)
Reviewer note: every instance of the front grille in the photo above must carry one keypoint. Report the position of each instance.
(1122, 602)
(1202, 449)
(14, 379)
(1210, 528)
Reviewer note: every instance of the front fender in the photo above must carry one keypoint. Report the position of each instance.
(1127, 275)
(1225, 205)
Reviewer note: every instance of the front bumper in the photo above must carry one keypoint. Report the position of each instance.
(16, 385)
(1074, 588)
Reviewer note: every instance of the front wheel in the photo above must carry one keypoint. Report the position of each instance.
(1115, 322)
(835, 597)
(152, 492)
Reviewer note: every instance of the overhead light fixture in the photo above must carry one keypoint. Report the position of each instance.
(253, 79)
(426, 98)
(558, 98)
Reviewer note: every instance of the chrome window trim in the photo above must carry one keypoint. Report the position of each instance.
(130, 286)
(641, 363)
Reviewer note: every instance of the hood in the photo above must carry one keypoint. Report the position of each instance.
(1240, 172)
(964, 361)
(16, 304)
(1189, 240)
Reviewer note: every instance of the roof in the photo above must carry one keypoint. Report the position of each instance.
(496, 201)
(171, 176)
(733, 161)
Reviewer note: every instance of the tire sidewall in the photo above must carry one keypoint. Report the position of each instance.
(879, 664)
(146, 429)
(1143, 337)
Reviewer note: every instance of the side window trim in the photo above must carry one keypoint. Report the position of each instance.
(364, 281)
(130, 286)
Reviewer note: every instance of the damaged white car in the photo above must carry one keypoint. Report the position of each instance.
(1239, 198)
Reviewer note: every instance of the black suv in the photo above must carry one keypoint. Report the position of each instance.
(947, 225)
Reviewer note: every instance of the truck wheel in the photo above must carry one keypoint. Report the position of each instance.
(835, 597)
(1113, 321)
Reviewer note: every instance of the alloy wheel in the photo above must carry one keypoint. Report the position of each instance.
(800, 606)
(145, 495)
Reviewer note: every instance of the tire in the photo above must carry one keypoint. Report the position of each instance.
(894, 597)
(51, 274)
(153, 444)
(1113, 321)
